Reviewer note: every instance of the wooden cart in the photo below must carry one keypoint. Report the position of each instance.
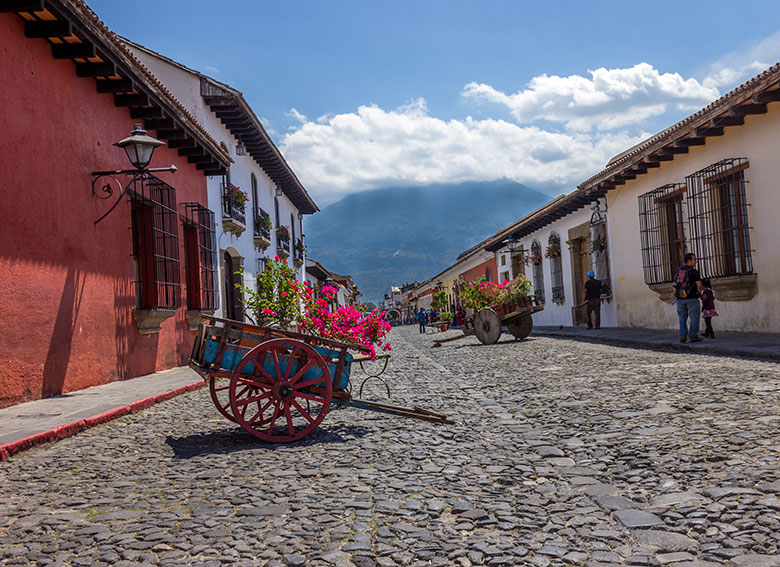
(278, 385)
(516, 316)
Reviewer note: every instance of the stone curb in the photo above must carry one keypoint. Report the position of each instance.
(63, 431)
(683, 347)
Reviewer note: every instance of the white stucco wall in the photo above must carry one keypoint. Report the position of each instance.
(757, 140)
(559, 313)
(185, 86)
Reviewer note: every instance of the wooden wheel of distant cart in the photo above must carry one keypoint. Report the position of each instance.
(487, 326)
(280, 390)
(520, 327)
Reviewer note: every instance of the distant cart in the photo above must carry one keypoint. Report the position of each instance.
(277, 384)
(516, 316)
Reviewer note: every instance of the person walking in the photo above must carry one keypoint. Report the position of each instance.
(592, 290)
(421, 318)
(708, 307)
(687, 291)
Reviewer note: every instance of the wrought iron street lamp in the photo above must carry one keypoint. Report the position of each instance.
(511, 243)
(139, 149)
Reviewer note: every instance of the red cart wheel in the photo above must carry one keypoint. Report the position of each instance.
(280, 390)
(220, 395)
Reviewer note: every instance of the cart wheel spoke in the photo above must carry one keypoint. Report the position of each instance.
(249, 400)
(290, 360)
(310, 397)
(304, 412)
(302, 371)
(268, 400)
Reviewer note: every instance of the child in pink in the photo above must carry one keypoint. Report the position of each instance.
(708, 307)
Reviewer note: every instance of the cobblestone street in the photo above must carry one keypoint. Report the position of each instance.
(564, 453)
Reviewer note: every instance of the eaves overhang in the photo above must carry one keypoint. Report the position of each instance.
(728, 111)
(235, 113)
(75, 32)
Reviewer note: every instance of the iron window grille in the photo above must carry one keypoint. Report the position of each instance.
(231, 207)
(200, 254)
(157, 273)
(538, 274)
(262, 263)
(556, 267)
(263, 224)
(718, 219)
(662, 229)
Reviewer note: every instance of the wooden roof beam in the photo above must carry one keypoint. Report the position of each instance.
(673, 150)
(146, 112)
(48, 28)
(102, 69)
(21, 6)
(72, 50)
(183, 144)
(155, 123)
(199, 159)
(171, 134)
(730, 120)
(139, 99)
(708, 129)
(115, 85)
(210, 165)
(747, 109)
(692, 140)
(189, 151)
(767, 96)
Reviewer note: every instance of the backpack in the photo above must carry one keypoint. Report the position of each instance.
(682, 283)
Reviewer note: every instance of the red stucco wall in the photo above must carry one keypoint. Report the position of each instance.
(479, 271)
(66, 294)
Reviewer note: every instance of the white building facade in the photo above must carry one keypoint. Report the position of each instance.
(269, 221)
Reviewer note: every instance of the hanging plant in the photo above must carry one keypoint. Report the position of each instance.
(598, 244)
(553, 250)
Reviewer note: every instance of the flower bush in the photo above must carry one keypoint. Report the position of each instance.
(480, 294)
(280, 299)
(238, 196)
(264, 222)
(283, 232)
(553, 250)
(535, 257)
(278, 293)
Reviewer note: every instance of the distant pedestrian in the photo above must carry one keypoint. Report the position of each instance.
(461, 316)
(687, 291)
(592, 290)
(708, 307)
(421, 319)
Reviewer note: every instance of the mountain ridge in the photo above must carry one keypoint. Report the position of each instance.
(395, 235)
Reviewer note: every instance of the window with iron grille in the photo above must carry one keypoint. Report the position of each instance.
(200, 257)
(517, 258)
(556, 266)
(155, 244)
(538, 274)
(261, 265)
(718, 219)
(662, 229)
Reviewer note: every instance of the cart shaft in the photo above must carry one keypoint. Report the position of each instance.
(414, 413)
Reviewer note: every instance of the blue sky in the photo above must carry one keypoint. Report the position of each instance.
(360, 95)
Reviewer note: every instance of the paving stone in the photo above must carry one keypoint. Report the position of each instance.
(559, 451)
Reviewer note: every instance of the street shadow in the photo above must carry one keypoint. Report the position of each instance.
(236, 440)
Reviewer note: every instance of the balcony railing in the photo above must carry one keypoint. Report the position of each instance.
(232, 208)
(283, 244)
(263, 224)
(299, 249)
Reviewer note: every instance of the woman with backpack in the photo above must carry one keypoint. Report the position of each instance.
(687, 291)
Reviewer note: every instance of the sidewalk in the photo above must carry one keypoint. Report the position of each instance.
(757, 345)
(43, 421)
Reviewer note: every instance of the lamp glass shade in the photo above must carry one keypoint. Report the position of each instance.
(139, 147)
(278, 191)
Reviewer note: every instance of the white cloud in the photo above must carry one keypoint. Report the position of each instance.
(735, 68)
(609, 99)
(212, 70)
(372, 147)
